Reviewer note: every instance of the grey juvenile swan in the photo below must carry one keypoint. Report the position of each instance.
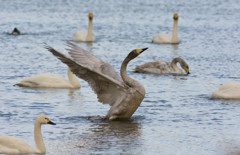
(12, 145)
(162, 67)
(123, 94)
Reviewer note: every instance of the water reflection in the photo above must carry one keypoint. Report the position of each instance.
(175, 46)
(117, 135)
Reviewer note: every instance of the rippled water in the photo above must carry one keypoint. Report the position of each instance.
(176, 115)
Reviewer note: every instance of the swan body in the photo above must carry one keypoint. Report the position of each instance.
(50, 81)
(15, 31)
(85, 36)
(123, 94)
(229, 90)
(162, 67)
(12, 145)
(168, 38)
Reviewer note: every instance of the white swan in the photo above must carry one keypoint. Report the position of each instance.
(229, 90)
(50, 81)
(85, 36)
(168, 38)
(162, 67)
(12, 145)
(123, 94)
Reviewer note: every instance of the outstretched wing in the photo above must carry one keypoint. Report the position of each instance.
(91, 69)
(85, 58)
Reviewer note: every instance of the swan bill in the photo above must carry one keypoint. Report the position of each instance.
(50, 122)
(141, 50)
(187, 70)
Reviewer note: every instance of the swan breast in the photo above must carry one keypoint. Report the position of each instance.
(80, 36)
(125, 108)
(162, 38)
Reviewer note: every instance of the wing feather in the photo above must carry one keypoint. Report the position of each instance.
(104, 85)
(84, 57)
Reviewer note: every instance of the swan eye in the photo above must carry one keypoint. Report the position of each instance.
(47, 120)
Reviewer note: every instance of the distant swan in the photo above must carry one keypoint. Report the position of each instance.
(85, 36)
(123, 94)
(229, 90)
(162, 67)
(167, 38)
(12, 145)
(15, 31)
(50, 81)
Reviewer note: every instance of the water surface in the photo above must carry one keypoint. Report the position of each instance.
(176, 115)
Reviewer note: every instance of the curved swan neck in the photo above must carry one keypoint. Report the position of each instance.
(89, 33)
(128, 80)
(174, 34)
(175, 61)
(175, 66)
(72, 79)
(38, 138)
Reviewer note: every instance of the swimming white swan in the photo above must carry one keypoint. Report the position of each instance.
(229, 90)
(85, 36)
(123, 94)
(162, 67)
(12, 145)
(15, 31)
(50, 81)
(168, 38)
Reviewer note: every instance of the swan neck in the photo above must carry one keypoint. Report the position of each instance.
(72, 79)
(38, 138)
(175, 66)
(89, 34)
(128, 80)
(174, 34)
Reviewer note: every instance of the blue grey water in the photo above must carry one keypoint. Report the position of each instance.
(176, 115)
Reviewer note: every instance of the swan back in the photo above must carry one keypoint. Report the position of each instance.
(49, 80)
(12, 145)
(162, 38)
(229, 90)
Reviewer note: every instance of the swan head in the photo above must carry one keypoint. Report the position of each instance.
(134, 53)
(15, 31)
(187, 70)
(175, 16)
(42, 119)
(184, 65)
(90, 16)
